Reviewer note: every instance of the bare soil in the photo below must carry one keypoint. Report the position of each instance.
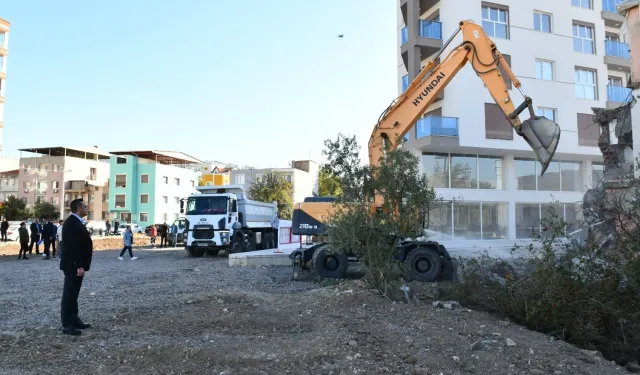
(167, 313)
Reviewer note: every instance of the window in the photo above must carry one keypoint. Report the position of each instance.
(532, 217)
(105, 198)
(176, 200)
(525, 174)
(240, 179)
(144, 178)
(463, 172)
(193, 183)
(588, 130)
(489, 172)
(550, 181)
(615, 81)
(496, 124)
(92, 198)
(166, 180)
(560, 175)
(468, 220)
(121, 160)
(165, 217)
(571, 176)
(121, 180)
(585, 84)
(144, 198)
(105, 215)
(165, 199)
(495, 21)
(55, 184)
(583, 38)
(258, 177)
(177, 181)
(54, 200)
(120, 201)
(542, 22)
(92, 173)
(549, 113)
(286, 177)
(544, 70)
(581, 3)
(55, 167)
(144, 216)
(436, 168)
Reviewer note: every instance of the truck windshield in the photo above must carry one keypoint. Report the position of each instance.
(206, 205)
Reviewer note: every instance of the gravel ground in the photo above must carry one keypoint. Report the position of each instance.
(167, 313)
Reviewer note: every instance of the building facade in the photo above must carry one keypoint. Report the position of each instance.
(8, 184)
(145, 187)
(4, 47)
(303, 175)
(95, 195)
(44, 177)
(217, 176)
(569, 57)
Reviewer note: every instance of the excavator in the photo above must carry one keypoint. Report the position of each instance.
(426, 260)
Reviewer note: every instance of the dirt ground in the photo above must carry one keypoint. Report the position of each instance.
(167, 313)
(99, 243)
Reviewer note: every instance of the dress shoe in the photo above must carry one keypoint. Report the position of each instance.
(81, 325)
(71, 331)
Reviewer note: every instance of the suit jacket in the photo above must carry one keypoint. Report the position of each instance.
(4, 225)
(49, 231)
(24, 235)
(78, 246)
(34, 231)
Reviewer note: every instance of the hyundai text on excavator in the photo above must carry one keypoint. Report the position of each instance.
(426, 260)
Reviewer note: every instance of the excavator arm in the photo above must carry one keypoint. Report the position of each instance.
(541, 134)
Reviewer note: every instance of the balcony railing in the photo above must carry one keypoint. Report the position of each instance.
(616, 49)
(618, 94)
(404, 35)
(610, 5)
(437, 125)
(405, 83)
(430, 29)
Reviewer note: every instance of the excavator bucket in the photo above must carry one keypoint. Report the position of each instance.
(543, 136)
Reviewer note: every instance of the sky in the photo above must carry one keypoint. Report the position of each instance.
(247, 82)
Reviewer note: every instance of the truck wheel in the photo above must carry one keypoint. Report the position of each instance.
(423, 264)
(329, 264)
(250, 242)
(237, 245)
(269, 242)
(213, 252)
(195, 251)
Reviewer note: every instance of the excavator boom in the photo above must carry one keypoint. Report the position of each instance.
(540, 133)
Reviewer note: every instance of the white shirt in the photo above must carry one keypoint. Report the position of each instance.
(59, 232)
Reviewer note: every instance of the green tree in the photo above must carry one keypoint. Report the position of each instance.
(45, 210)
(272, 187)
(15, 209)
(354, 228)
(328, 184)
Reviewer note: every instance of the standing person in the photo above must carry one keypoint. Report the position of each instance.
(23, 234)
(35, 237)
(3, 229)
(78, 251)
(116, 227)
(154, 234)
(107, 224)
(164, 231)
(174, 234)
(48, 236)
(59, 237)
(128, 243)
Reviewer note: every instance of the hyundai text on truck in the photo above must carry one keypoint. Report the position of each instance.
(220, 217)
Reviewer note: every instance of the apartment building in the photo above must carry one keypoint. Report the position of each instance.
(303, 175)
(8, 184)
(45, 176)
(4, 46)
(95, 195)
(569, 57)
(145, 187)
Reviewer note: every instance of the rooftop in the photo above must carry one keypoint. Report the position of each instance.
(75, 152)
(10, 173)
(162, 157)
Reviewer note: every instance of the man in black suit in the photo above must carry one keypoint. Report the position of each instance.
(35, 236)
(48, 237)
(4, 226)
(78, 250)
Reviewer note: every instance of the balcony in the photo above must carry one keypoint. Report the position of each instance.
(617, 55)
(76, 186)
(437, 126)
(616, 95)
(428, 40)
(610, 13)
(404, 36)
(423, 7)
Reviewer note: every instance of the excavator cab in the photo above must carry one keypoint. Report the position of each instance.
(542, 134)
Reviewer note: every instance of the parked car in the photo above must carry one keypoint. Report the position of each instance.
(147, 230)
(135, 228)
(95, 226)
(12, 232)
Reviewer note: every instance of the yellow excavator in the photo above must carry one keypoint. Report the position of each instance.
(426, 260)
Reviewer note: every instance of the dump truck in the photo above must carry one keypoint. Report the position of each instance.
(221, 217)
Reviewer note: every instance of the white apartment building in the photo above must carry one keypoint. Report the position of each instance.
(4, 46)
(303, 175)
(569, 58)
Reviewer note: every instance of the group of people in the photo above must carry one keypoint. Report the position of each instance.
(164, 232)
(43, 231)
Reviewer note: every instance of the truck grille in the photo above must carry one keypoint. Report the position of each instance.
(203, 231)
